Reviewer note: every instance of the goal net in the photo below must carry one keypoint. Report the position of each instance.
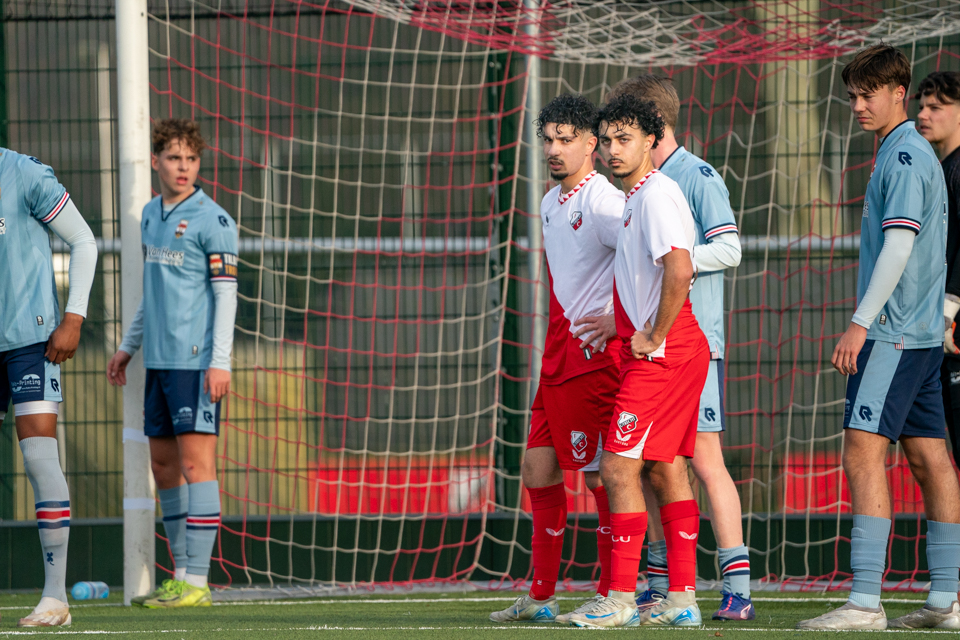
(378, 159)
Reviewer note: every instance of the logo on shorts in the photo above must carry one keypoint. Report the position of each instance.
(181, 229)
(866, 413)
(55, 385)
(626, 424)
(954, 377)
(578, 440)
(184, 416)
(710, 415)
(576, 220)
(28, 383)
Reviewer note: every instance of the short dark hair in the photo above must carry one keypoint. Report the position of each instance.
(659, 89)
(879, 65)
(628, 109)
(570, 109)
(186, 131)
(945, 85)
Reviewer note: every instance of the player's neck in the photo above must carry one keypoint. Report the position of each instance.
(665, 148)
(567, 184)
(171, 197)
(630, 181)
(895, 121)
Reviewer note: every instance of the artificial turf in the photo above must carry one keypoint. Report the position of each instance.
(402, 617)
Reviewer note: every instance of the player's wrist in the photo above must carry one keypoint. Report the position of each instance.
(70, 318)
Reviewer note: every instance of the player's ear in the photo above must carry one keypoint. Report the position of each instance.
(154, 162)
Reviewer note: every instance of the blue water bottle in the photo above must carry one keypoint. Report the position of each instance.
(90, 591)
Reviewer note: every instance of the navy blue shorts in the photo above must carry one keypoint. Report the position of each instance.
(174, 403)
(896, 392)
(27, 376)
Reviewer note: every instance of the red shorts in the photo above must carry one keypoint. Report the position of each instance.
(573, 416)
(655, 416)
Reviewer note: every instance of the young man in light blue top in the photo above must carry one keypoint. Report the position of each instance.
(717, 249)
(185, 325)
(892, 352)
(33, 343)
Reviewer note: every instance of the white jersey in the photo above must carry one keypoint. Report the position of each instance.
(656, 220)
(580, 230)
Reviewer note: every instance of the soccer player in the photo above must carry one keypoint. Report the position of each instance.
(939, 122)
(664, 365)
(892, 353)
(34, 341)
(185, 325)
(579, 375)
(717, 248)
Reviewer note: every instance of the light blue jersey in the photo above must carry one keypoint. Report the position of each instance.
(30, 198)
(184, 250)
(709, 202)
(907, 191)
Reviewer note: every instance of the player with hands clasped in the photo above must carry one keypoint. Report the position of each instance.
(185, 325)
(578, 376)
(717, 248)
(939, 122)
(664, 364)
(892, 352)
(34, 341)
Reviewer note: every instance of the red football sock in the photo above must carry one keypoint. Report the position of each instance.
(681, 527)
(604, 541)
(549, 522)
(627, 531)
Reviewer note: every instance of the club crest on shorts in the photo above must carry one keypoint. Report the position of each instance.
(576, 220)
(578, 440)
(181, 229)
(626, 424)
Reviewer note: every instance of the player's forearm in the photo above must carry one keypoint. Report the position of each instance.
(897, 246)
(677, 273)
(70, 227)
(224, 317)
(134, 336)
(721, 252)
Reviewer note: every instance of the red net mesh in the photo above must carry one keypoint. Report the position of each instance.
(375, 157)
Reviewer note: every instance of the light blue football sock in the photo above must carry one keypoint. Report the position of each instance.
(943, 559)
(203, 522)
(735, 568)
(868, 555)
(657, 578)
(41, 462)
(173, 504)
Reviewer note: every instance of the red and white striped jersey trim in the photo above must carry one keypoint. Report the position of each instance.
(905, 223)
(637, 186)
(716, 231)
(569, 194)
(56, 210)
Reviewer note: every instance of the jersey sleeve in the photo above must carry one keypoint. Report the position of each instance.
(713, 207)
(903, 192)
(660, 225)
(607, 216)
(220, 242)
(43, 194)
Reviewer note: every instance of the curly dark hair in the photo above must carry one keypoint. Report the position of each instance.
(627, 109)
(186, 131)
(569, 109)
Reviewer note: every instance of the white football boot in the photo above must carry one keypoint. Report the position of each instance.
(929, 618)
(564, 618)
(848, 617)
(49, 613)
(605, 612)
(676, 610)
(526, 609)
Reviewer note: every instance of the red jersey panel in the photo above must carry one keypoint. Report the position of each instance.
(580, 230)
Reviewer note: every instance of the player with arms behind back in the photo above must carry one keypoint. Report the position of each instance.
(33, 343)
(892, 352)
(185, 325)
(939, 122)
(578, 377)
(663, 369)
(717, 248)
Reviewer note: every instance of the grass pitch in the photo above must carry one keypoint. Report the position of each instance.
(427, 616)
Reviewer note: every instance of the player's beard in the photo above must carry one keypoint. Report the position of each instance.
(557, 176)
(622, 172)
